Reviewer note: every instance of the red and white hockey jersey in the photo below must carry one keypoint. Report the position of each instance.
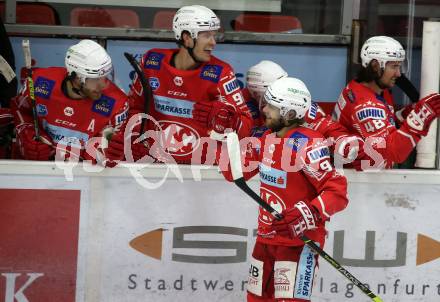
(65, 119)
(294, 168)
(372, 117)
(174, 94)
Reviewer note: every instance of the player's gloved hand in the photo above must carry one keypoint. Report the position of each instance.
(29, 147)
(217, 116)
(349, 148)
(296, 220)
(115, 150)
(424, 112)
(403, 113)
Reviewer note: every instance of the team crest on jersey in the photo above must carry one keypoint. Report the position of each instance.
(41, 110)
(274, 201)
(273, 177)
(318, 154)
(178, 139)
(154, 83)
(371, 112)
(297, 141)
(104, 105)
(43, 87)
(153, 60)
(211, 73)
(231, 86)
(313, 110)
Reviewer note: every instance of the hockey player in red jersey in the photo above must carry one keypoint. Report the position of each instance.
(348, 147)
(193, 92)
(366, 106)
(297, 180)
(76, 107)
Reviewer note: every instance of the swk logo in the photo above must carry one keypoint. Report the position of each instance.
(151, 244)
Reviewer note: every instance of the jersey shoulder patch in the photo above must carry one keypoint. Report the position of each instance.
(104, 105)
(211, 73)
(297, 141)
(43, 87)
(153, 60)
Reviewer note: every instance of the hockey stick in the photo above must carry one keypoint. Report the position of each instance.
(144, 83)
(28, 64)
(6, 70)
(234, 153)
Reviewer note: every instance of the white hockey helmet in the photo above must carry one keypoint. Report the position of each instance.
(289, 94)
(194, 19)
(383, 49)
(261, 75)
(88, 59)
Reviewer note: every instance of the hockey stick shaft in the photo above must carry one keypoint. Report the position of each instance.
(28, 64)
(144, 83)
(234, 153)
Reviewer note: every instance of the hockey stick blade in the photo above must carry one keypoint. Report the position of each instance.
(144, 83)
(28, 63)
(233, 146)
(6, 70)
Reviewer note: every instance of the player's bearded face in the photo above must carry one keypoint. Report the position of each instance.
(272, 117)
(390, 74)
(205, 44)
(93, 87)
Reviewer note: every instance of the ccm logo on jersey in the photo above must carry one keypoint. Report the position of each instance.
(43, 87)
(370, 112)
(65, 123)
(231, 86)
(211, 73)
(317, 154)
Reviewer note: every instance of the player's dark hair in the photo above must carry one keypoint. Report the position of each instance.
(366, 74)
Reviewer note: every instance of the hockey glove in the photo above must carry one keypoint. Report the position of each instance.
(348, 149)
(421, 117)
(217, 116)
(32, 149)
(296, 220)
(115, 150)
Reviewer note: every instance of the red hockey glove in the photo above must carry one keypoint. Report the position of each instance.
(217, 116)
(349, 148)
(115, 150)
(403, 113)
(297, 220)
(424, 112)
(32, 149)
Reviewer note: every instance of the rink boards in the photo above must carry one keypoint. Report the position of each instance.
(132, 235)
